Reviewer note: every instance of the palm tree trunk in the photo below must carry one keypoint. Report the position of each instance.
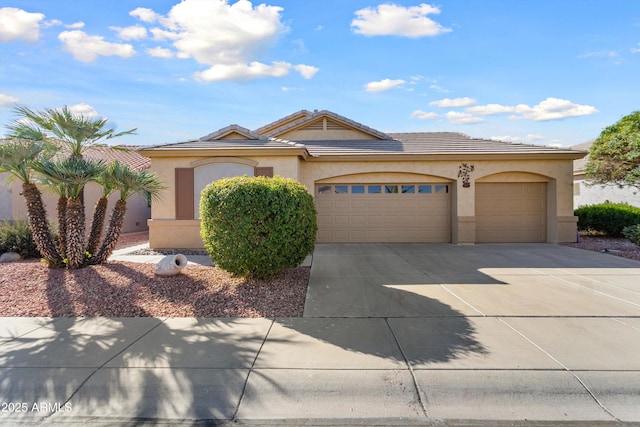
(39, 225)
(112, 234)
(75, 233)
(97, 224)
(62, 226)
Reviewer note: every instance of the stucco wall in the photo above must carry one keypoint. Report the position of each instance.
(5, 198)
(590, 195)
(165, 167)
(558, 174)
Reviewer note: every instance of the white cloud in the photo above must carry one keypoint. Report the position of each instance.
(159, 34)
(552, 109)
(160, 52)
(453, 103)
(307, 71)
(423, 115)
(228, 38)
(86, 48)
(7, 100)
(75, 25)
(145, 15)
(490, 109)
(134, 32)
(243, 72)
(17, 24)
(519, 139)
(84, 110)
(599, 54)
(439, 89)
(549, 109)
(391, 19)
(459, 118)
(636, 49)
(383, 85)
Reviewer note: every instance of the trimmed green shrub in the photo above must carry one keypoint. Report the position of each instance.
(607, 218)
(15, 236)
(632, 233)
(257, 226)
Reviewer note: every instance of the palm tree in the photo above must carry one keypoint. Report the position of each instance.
(75, 173)
(75, 132)
(108, 184)
(129, 182)
(17, 157)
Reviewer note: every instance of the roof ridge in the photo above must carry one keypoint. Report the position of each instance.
(283, 120)
(331, 114)
(229, 129)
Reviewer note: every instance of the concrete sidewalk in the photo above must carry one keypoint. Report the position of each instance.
(320, 371)
(393, 335)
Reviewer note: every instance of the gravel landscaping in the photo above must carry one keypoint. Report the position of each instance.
(125, 289)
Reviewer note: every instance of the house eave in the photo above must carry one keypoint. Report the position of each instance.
(442, 156)
(227, 152)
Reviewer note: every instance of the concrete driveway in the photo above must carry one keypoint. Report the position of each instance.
(421, 280)
(491, 331)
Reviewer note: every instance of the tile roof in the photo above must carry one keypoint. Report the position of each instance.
(128, 156)
(426, 143)
(228, 144)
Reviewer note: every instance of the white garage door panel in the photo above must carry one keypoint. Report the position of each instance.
(511, 212)
(347, 214)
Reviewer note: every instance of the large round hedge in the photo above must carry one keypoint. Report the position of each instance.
(257, 226)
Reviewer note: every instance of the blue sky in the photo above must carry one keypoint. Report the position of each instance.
(542, 72)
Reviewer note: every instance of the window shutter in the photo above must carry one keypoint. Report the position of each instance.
(263, 171)
(184, 193)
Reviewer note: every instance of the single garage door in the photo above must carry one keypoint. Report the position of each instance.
(383, 212)
(511, 212)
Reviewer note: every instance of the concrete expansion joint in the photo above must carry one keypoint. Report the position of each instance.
(566, 368)
(253, 364)
(416, 386)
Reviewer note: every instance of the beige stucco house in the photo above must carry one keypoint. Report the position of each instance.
(371, 186)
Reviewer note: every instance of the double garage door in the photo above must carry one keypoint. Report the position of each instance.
(384, 212)
(505, 212)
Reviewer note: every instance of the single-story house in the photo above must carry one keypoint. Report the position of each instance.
(12, 204)
(371, 186)
(585, 193)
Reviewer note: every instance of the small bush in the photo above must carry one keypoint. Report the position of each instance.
(15, 236)
(257, 226)
(632, 233)
(607, 218)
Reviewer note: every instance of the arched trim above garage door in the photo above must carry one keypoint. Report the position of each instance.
(383, 177)
(514, 177)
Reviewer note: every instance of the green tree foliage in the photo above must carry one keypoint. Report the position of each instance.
(257, 226)
(614, 158)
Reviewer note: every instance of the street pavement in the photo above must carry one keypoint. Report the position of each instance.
(392, 334)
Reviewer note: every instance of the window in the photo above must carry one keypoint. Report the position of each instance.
(442, 188)
(357, 189)
(342, 189)
(390, 189)
(424, 189)
(374, 189)
(408, 189)
(323, 189)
